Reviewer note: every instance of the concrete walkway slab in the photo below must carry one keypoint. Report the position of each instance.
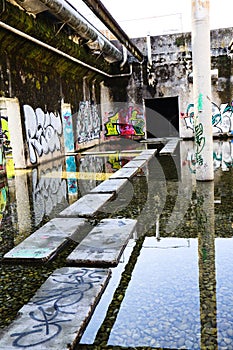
(87, 206)
(170, 147)
(110, 186)
(126, 173)
(104, 244)
(147, 155)
(54, 319)
(134, 163)
(44, 243)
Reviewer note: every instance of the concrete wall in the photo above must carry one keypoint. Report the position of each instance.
(54, 106)
(170, 75)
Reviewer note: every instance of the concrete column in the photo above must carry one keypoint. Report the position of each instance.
(12, 110)
(202, 90)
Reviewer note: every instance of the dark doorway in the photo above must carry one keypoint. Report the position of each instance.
(162, 117)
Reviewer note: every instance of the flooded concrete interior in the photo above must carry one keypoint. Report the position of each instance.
(172, 285)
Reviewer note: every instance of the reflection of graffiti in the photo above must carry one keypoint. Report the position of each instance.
(3, 199)
(88, 122)
(116, 161)
(200, 143)
(126, 122)
(43, 131)
(68, 131)
(222, 118)
(2, 160)
(56, 306)
(71, 181)
(48, 192)
(222, 156)
(90, 165)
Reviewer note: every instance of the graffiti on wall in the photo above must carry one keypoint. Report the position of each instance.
(88, 122)
(4, 133)
(125, 122)
(68, 131)
(222, 117)
(43, 131)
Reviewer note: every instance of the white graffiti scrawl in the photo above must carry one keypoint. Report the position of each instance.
(42, 131)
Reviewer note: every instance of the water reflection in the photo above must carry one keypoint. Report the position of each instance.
(180, 291)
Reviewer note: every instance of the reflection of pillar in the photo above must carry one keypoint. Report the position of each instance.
(23, 204)
(72, 185)
(206, 250)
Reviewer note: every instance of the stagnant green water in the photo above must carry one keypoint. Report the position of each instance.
(173, 286)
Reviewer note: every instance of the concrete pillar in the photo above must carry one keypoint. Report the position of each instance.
(202, 90)
(10, 106)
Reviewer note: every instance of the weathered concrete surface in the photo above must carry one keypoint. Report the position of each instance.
(170, 147)
(134, 163)
(87, 205)
(104, 245)
(146, 154)
(110, 186)
(127, 173)
(44, 243)
(58, 313)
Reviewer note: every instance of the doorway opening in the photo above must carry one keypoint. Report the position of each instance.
(162, 117)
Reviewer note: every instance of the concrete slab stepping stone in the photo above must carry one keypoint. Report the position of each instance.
(147, 155)
(56, 316)
(170, 147)
(135, 163)
(87, 206)
(104, 244)
(110, 186)
(45, 243)
(126, 173)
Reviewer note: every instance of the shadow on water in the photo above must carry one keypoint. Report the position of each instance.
(173, 286)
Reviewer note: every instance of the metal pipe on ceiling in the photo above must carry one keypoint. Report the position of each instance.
(69, 15)
(105, 16)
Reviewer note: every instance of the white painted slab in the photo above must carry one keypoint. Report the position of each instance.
(87, 205)
(127, 173)
(110, 186)
(56, 316)
(104, 244)
(44, 243)
(135, 163)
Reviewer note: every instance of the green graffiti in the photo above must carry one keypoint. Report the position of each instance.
(200, 102)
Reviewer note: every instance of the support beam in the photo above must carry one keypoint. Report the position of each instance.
(202, 90)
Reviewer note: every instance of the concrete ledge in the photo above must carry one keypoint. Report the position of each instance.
(104, 244)
(55, 318)
(87, 206)
(147, 155)
(110, 186)
(135, 163)
(124, 173)
(44, 243)
(170, 147)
